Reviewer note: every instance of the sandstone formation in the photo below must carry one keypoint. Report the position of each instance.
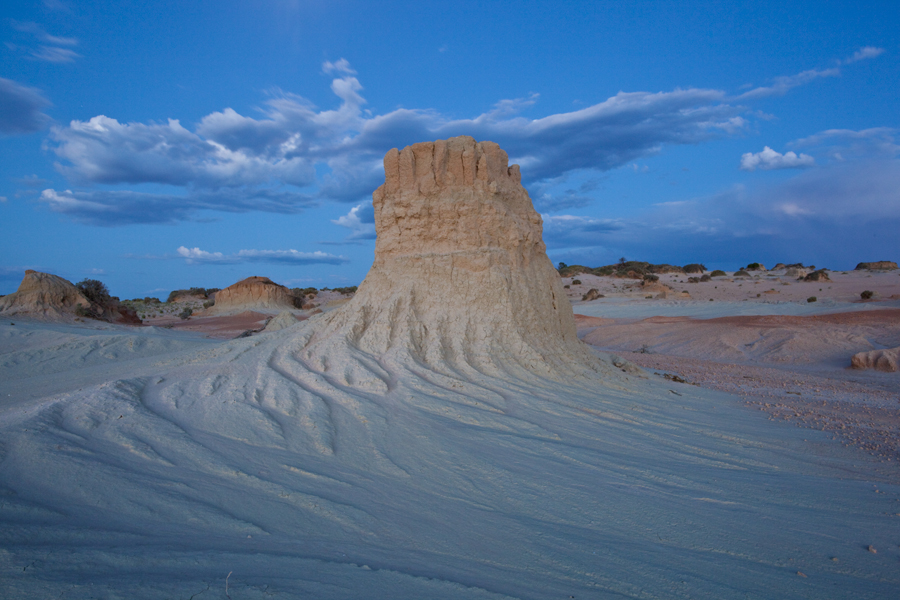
(47, 296)
(880, 360)
(461, 278)
(253, 293)
(881, 265)
(43, 295)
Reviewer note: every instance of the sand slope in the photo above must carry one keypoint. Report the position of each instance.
(299, 482)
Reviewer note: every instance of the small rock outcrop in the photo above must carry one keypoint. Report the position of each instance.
(44, 295)
(881, 265)
(880, 360)
(592, 294)
(820, 275)
(48, 296)
(254, 293)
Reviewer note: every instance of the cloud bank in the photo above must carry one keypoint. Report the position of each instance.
(290, 257)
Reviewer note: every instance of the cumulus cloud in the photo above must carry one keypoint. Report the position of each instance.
(293, 257)
(20, 108)
(769, 159)
(360, 220)
(335, 154)
(291, 138)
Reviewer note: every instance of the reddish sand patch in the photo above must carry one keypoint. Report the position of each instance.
(224, 327)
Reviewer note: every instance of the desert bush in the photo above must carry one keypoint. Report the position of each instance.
(186, 313)
(82, 311)
(209, 303)
(194, 291)
(567, 286)
(346, 290)
(811, 299)
(742, 273)
(561, 266)
(693, 280)
(705, 277)
(304, 292)
(94, 290)
(867, 295)
(576, 282)
(694, 268)
(718, 273)
(753, 267)
(651, 278)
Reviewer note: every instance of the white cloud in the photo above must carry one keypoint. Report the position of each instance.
(781, 85)
(54, 54)
(844, 144)
(863, 53)
(20, 108)
(196, 255)
(769, 159)
(50, 48)
(342, 66)
(360, 220)
(3, 199)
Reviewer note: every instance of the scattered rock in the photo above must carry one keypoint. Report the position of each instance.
(820, 275)
(880, 360)
(592, 294)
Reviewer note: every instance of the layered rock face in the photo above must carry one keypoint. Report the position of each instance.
(43, 295)
(253, 293)
(460, 273)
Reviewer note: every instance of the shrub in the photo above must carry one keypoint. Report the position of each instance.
(718, 273)
(346, 290)
(867, 295)
(742, 273)
(567, 286)
(705, 277)
(186, 313)
(651, 278)
(694, 268)
(562, 266)
(811, 299)
(94, 290)
(304, 292)
(576, 282)
(693, 280)
(82, 311)
(753, 267)
(209, 303)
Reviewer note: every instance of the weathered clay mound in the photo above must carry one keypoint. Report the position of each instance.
(879, 360)
(461, 277)
(881, 265)
(256, 293)
(820, 275)
(48, 296)
(45, 296)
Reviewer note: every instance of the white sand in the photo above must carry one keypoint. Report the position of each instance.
(242, 458)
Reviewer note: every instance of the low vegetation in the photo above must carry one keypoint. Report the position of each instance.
(194, 291)
(867, 295)
(718, 273)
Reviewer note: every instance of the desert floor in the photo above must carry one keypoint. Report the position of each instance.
(725, 451)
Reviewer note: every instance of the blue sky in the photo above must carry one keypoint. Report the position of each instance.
(175, 144)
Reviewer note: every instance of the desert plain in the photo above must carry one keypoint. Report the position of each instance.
(471, 423)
